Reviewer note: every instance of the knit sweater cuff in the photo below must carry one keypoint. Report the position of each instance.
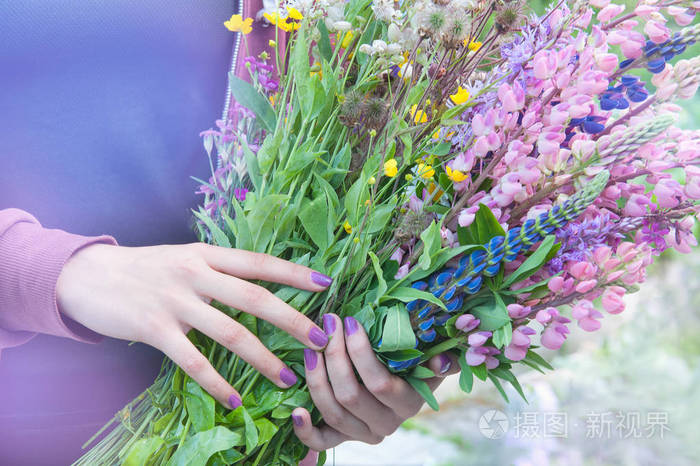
(31, 259)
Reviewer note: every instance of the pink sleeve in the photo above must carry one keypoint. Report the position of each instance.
(31, 258)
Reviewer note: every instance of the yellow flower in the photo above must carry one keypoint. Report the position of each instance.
(272, 99)
(347, 40)
(272, 43)
(368, 202)
(316, 70)
(425, 171)
(455, 175)
(419, 116)
(347, 227)
(435, 191)
(460, 97)
(295, 14)
(238, 24)
(391, 168)
(408, 177)
(356, 240)
(281, 22)
(473, 45)
(372, 180)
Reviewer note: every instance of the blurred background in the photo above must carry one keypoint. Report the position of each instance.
(628, 394)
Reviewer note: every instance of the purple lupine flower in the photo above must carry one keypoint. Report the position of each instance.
(268, 83)
(653, 233)
(240, 194)
(467, 322)
(520, 342)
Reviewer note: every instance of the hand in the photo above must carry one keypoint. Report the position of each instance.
(156, 294)
(367, 411)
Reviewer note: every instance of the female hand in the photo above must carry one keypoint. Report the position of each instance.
(156, 294)
(367, 411)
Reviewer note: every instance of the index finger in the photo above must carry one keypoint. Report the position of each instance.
(250, 265)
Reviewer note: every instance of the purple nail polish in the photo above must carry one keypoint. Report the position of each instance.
(328, 324)
(298, 420)
(310, 358)
(320, 279)
(445, 363)
(350, 325)
(234, 401)
(317, 337)
(288, 377)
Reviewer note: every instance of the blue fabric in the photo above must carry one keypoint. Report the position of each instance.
(101, 103)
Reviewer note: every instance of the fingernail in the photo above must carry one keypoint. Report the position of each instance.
(328, 324)
(310, 358)
(288, 377)
(234, 401)
(445, 363)
(320, 279)
(298, 420)
(317, 337)
(350, 325)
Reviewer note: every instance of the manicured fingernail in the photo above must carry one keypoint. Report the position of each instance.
(288, 377)
(328, 324)
(445, 363)
(234, 401)
(310, 358)
(350, 325)
(317, 337)
(298, 420)
(320, 279)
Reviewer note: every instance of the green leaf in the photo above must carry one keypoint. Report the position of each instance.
(217, 233)
(499, 387)
(324, 43)
(200, 406)
(402, 355)
(251, 432)
(485, 225)
(251, 161)
(432, 241)
(266, 430)
(357, 194)
(440, 149)
(398, 332)
(531, 288)
(198, 448)
(533, 263)
(380, 275)
(380, 216)
(406, 294)
(314, 218)
(261, 219)
(480, 371)
(244, 238)
(506, 374)
(492, 314)
(281, 412)
(246, 95)
(537, 359)
(502, 336)
(466, 378)
(141, 451)
(421, 372)
(424, 390)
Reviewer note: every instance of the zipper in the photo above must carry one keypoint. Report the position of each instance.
(234, 60)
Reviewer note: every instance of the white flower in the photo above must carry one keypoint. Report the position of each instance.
(342, 26)
(394, 49)
(379, 46)
(384, 10)
(366, 48)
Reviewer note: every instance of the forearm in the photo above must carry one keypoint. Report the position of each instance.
(31, 259)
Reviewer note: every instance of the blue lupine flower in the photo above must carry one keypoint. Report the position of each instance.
(452, 285)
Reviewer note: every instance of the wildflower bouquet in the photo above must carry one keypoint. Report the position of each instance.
(474, 178)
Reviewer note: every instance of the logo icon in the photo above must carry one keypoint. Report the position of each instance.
(493, 424)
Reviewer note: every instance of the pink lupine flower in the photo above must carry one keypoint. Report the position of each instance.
(668, 193)
(512, 97)
(599, 3)
(645, 11)
(637, 205)
(402, 272)
(466, 322)
(657, 32)
(582, 270)
(586, 286)
(553, 336)
(518, 311)
(397, 255)
(520, 342)
(556, 284)
(586, 314)
(602, 254)
(481, 354)
(612, 300)
(692, 182)
(478, 338)
(466, 216)
(607, 61)
(609, 12)
(681, 15)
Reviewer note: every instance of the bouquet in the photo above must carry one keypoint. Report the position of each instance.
(475, 178)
